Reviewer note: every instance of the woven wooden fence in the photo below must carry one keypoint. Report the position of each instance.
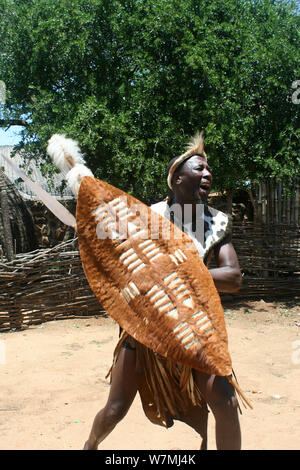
(50, 284)
(269, 256)
(274, 205)
(44, 285)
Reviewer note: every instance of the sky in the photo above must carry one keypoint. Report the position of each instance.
(10, 136)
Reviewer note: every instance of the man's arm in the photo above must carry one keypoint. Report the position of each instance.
(227, 276)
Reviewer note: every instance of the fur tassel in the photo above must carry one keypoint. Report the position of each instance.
(64, 152)
(239, 391)
(75, 176)
(66, 155)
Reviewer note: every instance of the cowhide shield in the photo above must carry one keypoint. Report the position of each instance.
(140, 269)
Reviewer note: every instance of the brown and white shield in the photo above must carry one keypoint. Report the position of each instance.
(140, 269)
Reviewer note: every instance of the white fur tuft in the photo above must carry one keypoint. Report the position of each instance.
(75, 176)
(66, 155)
(64, 152)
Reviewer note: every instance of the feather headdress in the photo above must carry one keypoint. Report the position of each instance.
(67, 156)
(194, 147)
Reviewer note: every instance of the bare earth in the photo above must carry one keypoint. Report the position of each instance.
(53, 383)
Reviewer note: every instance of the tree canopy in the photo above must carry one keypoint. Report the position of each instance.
(132, 81)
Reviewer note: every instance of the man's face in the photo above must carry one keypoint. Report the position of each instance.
(193, 181)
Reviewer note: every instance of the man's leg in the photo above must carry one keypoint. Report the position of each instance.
(220, 397)
(123, 389)
(196, 417)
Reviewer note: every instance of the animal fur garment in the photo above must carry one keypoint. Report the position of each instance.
(213, 229)
(157, 290)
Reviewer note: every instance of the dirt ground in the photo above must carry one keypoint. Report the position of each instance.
(53, 383)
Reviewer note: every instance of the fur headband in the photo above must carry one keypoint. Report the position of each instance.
(194, 147)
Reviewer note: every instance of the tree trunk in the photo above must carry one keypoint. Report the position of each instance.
(254, 203)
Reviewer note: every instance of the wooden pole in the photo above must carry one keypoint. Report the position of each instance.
(229, 199)
(280, 202)
(264, 198)
(297, 196)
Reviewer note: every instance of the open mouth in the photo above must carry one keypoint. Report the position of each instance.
(205, 186)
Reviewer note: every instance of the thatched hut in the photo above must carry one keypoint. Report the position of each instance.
(17, 233)
(42, 228)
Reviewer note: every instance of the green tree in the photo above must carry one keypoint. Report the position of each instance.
(132, 80)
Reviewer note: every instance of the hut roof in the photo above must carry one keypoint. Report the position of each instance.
(32, 170)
